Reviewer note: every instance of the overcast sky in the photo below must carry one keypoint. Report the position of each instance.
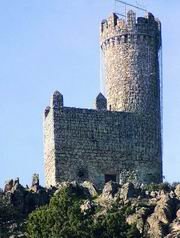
(48, 45)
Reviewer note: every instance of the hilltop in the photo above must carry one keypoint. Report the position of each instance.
(80, 210)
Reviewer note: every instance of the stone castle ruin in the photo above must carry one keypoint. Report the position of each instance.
(120, 139)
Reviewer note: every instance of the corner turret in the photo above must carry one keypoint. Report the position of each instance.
(57, 101)
(101, 102)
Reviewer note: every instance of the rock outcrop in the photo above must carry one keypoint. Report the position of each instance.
(154, 212)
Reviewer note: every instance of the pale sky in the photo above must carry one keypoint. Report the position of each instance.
(48, 45)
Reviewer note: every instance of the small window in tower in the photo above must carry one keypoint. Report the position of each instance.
(110, 177)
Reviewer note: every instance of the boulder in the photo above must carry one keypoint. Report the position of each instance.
(153, 194)
(74, 187)
(174, 230)
(177, 191)
(161, 217)
(35, 183)
(87, 207)
(91, 188)
(127, 191)
(63, 185)
(109, 190)
(8, 185)
(139, 218)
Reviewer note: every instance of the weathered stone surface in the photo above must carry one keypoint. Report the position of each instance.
(8, 185)
(161, 216)
(35, 183)
(153, 194)
(91, 188)
(178, 214)
(139, 218)
(127, 191)
(25, 199)
(154, 217)
(35, 179)
(109, 190)
(175, 229)
(87, 207)
(130, 55)
(177, 191)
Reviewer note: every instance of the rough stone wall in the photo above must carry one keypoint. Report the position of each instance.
(49, 138)
(130, 55)
(90, 144)
(49, 150)
(131, 51)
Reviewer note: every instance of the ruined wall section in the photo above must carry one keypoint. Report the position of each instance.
(131, 68)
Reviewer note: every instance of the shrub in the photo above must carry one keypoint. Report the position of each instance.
(63, 218)
(157, 187)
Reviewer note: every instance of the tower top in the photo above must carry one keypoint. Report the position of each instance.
(114, 26)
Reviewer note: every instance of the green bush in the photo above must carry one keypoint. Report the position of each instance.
(62, 218)
(157, 187)
(8, 215)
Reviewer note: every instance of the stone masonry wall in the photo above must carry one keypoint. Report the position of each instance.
(49, 148)
(90, 144)
(49, 138)
(131, 68)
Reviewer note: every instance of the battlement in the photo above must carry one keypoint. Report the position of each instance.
(57, 103)
(115, 30)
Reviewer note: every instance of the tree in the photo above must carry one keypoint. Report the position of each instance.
(9, 215)
(63, 218)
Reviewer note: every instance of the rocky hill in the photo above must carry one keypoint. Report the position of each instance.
(154, 210)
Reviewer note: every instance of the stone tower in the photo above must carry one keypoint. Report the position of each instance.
(131, 67)
(120, 139)
(131, 50)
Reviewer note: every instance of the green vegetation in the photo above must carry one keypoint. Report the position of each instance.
(157, 187)
(63, 218)
(72, 212)
(10, 217)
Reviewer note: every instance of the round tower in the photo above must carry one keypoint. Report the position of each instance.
(131, 68)
(131, 49)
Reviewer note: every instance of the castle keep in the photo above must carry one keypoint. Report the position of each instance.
(120, 139)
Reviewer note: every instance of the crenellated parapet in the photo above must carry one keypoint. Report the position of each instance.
(130, 30)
